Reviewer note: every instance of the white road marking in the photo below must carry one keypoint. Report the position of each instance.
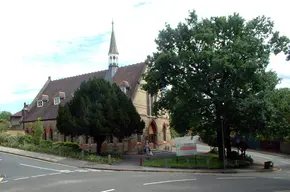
(32, 166)
(223, 178)
(20, 178)
(108, 190)
(35, 176)
(286, 162)
(169, 181)
(43, 161)
(66, 171)
(95, 170)
(3, 182)
(82, 170)
(278, 177)
(54, 174)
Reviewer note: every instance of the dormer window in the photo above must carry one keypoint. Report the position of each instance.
(44, 98)
(124, 86)
(61, 95)
(39, 103)
(56, 101)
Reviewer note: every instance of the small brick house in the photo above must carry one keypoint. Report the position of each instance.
(129, 79)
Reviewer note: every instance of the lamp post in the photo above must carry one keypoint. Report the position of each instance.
(223, 141)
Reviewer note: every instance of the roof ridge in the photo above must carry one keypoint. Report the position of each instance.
(79, 75)
(132, 64)
(96, 72)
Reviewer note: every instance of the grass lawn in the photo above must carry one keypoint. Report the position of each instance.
(190, 162)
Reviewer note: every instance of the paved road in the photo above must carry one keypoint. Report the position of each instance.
(25, 174)
(143, 182)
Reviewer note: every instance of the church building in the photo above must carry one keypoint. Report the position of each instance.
(128, 78)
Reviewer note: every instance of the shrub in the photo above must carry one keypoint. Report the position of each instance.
(38, 131)
(23, 139)
(13, 141)
(3, 137)
(30, 147)
(72, 145)
(46, 144)
(249, 159)
(234, 155)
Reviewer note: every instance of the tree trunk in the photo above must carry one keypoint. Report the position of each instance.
(228, 140)
(219, 143)
(64, 138)
(99, 141)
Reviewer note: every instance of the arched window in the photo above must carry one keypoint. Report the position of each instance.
(164, 133)
(50, 134)
(44, 134)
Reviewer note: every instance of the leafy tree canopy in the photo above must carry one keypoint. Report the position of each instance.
(5, 115)
(210, 68)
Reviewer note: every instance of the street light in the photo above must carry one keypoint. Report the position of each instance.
(223, 141)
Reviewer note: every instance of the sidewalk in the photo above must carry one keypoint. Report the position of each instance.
(130, 163)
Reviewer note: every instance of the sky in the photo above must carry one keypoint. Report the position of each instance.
(64, 38)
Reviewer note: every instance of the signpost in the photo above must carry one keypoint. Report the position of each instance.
(185, 149)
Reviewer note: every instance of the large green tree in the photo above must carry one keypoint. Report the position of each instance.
(4, 120)
(65, 123)
(278, 126)
(206, 68)
(100, 109)
(5, 115)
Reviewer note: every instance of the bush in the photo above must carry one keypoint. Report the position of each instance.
(3, 137)
(46, 144)
(13, 141)
(24, 139)
(71, 145)
(30, 147)
(233, 155)
(249, 159)
(38, 131)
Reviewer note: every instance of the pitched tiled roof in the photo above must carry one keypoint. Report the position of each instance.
(131, 73)
(18, 114)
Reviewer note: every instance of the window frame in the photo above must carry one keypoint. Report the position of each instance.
(39, 101)
(55, 99)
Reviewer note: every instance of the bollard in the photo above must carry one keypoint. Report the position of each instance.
(141, 161)
(109, 159)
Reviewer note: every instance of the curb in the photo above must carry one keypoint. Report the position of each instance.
(181, 171)
(156, 170)
(275, 169)
(32, 157)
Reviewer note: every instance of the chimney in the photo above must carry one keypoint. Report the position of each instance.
(24, 114)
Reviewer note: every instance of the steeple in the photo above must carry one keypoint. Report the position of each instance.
(112, 56)
(113, 45)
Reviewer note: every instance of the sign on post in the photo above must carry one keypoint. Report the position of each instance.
(185, 149)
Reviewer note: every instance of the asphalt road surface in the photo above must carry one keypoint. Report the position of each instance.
(25, 174)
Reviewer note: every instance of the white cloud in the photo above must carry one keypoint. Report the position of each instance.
(32, 27)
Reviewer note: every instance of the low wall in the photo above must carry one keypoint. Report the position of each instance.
(15, 132)
(284, 147)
